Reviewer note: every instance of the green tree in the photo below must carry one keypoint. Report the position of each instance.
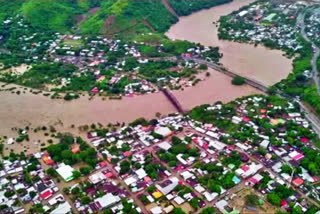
(76, 174)
(237, 80)
(194, 203)
(178, 211)
(274, 199)
(208, 210)
(85, 200)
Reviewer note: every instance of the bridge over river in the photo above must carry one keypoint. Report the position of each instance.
(310, 114)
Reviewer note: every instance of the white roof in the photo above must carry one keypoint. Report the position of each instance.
(242, 13)
(65, 171)
(107, 200)
(130, 180)
(163, 131)
(165, 145)
(141, 173)
(179, 200)
(62, 209)
(167, 189)
(199, 188)
(186, 175)
(97, 177)
(264, 143)
(156, 210)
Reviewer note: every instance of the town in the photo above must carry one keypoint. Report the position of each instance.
(96, 64)
(254, 153)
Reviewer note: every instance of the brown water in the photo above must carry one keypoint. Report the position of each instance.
(259, 63)
(38, 110)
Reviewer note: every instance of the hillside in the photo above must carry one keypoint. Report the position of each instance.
(103, 17)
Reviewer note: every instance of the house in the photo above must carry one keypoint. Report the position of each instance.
(156, 210)
(64, 208)
(66, 172)
(165, 189)
(165, 145)
(46, 194)
(95, 90)
(223, 207)
(106, 201)
(297, 182)
(97, 177)
(163, 131)
(47, 159)
(243, 13)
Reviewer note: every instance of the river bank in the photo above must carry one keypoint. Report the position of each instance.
(258, 63)
(36, 110)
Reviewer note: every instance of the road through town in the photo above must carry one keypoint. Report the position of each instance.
(316, 51)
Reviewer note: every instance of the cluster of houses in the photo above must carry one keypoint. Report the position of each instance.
(276, 156)
(207, 138)
(257, 162)
(97, 54)
(267, 22)
(312, 26)
(25, 182)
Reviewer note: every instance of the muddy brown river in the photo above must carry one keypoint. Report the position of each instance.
(259, 63)
(267, 66)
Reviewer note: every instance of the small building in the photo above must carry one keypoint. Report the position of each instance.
(66, 172)
(64, 208)
(297, 182)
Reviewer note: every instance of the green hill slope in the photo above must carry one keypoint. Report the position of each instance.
(103, 16)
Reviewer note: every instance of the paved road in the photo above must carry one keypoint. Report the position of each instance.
(301, 24)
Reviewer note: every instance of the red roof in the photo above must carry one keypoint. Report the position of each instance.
(45, 195)
(179, 168)
(298, 157)
(246, 119)
(95, 90)
(108, 175)
(102, 164)
(263, 110)
(253, 180)
(297, 181)
(231, 147)
(284, 203)
(245, 168)
(205, 146)
(147, 179)
(128, 153)
(304, 140)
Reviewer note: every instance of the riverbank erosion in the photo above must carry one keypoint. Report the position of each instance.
(259, 63)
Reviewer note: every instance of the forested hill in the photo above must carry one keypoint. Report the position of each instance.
(103, 16)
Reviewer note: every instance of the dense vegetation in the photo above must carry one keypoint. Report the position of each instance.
(62, 152)
(107, 16)
(130, 16)
(184, 8)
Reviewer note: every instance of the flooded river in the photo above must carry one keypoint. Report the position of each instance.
(266, 66)
(38, 110)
